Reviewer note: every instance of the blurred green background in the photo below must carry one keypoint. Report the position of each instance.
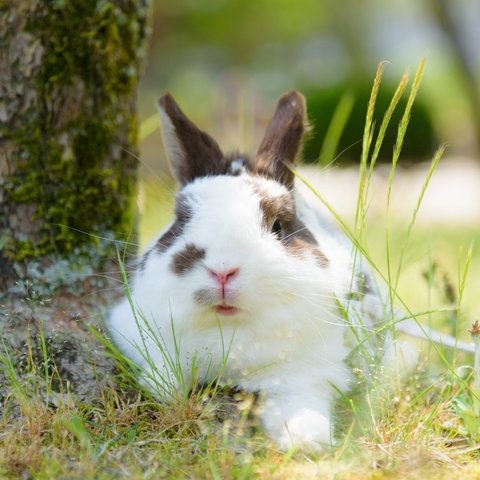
(226, 61)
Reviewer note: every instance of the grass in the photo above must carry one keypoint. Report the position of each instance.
(427, 426)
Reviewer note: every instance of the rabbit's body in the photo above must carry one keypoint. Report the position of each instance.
(285, 338)
(247, 280)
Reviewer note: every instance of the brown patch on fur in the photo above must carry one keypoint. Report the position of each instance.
(296, 237)
(304, 246)
(183, 214)
(203, 297)
(169, 237)
(186, 259)
(298, 246)
(283, 139)
(363, 284)
(164, 242)
(143, 260)
(273, 208)
(321, 258)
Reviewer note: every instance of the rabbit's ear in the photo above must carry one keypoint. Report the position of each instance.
(191, 152)
(283, 139)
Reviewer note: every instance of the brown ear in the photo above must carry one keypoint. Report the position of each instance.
(191, 152)
(283, 139)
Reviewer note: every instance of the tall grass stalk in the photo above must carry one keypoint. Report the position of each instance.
(403, 125)
(433, 165)
(366, 143)
(364, 179)
(402, 129)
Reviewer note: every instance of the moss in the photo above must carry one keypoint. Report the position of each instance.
(72, 151)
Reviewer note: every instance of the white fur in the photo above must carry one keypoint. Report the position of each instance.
(287, 341)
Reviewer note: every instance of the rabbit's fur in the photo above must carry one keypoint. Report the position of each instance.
(247, 280)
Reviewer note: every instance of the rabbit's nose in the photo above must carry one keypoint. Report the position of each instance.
(223, 276)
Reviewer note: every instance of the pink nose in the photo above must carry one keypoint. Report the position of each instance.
(224, 276)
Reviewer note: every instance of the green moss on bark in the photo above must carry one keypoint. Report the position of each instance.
(70, 149)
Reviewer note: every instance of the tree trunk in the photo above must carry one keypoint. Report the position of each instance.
(68, 78)
(443, 10)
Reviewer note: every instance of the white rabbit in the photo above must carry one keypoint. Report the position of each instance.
(247, 281)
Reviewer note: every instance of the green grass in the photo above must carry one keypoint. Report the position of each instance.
(427, 426)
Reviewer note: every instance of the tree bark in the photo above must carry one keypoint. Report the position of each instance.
(69, 71)
(68, 77)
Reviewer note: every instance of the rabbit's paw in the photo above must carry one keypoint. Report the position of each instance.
(307, 429)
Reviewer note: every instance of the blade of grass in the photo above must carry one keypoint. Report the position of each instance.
(335, 129)
(21, 394)
(77, 428)
(433, 165)
(147, 127)
(462, 281)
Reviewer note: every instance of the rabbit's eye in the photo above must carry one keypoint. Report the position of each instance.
(277, 227)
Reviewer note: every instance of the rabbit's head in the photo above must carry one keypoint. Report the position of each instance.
(239, 247)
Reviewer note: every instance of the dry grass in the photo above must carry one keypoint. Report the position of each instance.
(413, 431)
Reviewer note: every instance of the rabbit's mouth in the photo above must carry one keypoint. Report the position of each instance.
(226, 310)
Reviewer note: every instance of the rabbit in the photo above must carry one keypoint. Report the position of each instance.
(250, 282)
